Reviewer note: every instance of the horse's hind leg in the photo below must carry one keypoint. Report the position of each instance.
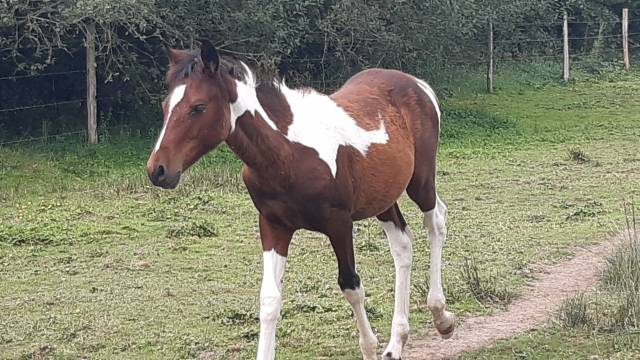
(400, 242)
(422, 190)
(436, 223)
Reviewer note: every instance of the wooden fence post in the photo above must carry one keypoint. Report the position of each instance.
(92, 110)
(45, 131)
(625, 38)
(490, 66)
(565, 34)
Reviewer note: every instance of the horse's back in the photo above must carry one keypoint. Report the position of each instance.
(375, 89)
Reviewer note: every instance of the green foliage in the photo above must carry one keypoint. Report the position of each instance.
(313, 42)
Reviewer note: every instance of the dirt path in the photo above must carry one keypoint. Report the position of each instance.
(555, 284)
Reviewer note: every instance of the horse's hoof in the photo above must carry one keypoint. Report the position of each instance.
(447, 333)
(389, 356)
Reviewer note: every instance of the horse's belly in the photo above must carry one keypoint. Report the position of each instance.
(382, 176)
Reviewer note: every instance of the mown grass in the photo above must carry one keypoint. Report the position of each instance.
(95, 262)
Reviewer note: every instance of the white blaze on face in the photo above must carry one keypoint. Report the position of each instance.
(175, 97)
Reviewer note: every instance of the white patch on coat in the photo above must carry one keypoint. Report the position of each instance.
(432, 96)
(270, 302)
(248, 100)
(318, 122)
(176, 96)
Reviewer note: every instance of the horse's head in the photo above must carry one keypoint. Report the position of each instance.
(196, 113)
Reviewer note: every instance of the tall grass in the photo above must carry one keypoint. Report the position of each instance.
(622, 275)
(616, 304)
(484, 286)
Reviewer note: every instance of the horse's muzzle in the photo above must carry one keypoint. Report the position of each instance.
(160, 177)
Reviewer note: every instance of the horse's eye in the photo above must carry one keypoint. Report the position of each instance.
(198, 109)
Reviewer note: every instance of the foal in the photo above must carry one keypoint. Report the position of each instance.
(315, 162)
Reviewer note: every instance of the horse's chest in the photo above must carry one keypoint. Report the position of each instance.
(292, 212)
(295, 205)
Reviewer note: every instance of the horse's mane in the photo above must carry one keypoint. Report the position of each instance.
(191, 66)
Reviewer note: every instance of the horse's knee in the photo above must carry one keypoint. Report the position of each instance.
(401, 244)
(355, 297)
(435, 220)
(270, 306)
(348, 281)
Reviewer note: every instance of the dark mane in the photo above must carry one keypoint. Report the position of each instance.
(191, 66)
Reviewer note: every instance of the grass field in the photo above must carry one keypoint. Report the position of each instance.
(95, 262)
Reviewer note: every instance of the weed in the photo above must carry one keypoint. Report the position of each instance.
(575, 312)
(22, 235)
(589, 209)
(235, 317)
(200, 229)
(485, 289)
(578, 155)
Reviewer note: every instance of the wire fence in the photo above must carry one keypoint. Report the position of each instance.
(41, 138)
(58, 103)
(16, 77)
(503, 49)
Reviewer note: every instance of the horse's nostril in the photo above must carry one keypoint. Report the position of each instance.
(157, 175)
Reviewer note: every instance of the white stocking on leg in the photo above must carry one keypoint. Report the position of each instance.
(436, 224)
(400, 242)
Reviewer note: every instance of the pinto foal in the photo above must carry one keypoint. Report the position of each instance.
(315, 162)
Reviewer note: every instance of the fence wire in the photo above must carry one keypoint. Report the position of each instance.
(13, 142)
(65, 102)
(16, 77)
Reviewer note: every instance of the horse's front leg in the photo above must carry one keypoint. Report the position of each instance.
(341, 237)
(275, 245)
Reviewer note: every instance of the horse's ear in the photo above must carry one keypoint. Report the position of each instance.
(175, 55)
(209, 55)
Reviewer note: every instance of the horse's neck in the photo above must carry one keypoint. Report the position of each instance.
(254, 137)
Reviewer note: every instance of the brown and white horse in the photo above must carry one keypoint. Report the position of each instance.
(315, 162)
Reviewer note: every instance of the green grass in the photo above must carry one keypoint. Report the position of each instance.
(559, 343)
(604, 323)
(96, 262)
